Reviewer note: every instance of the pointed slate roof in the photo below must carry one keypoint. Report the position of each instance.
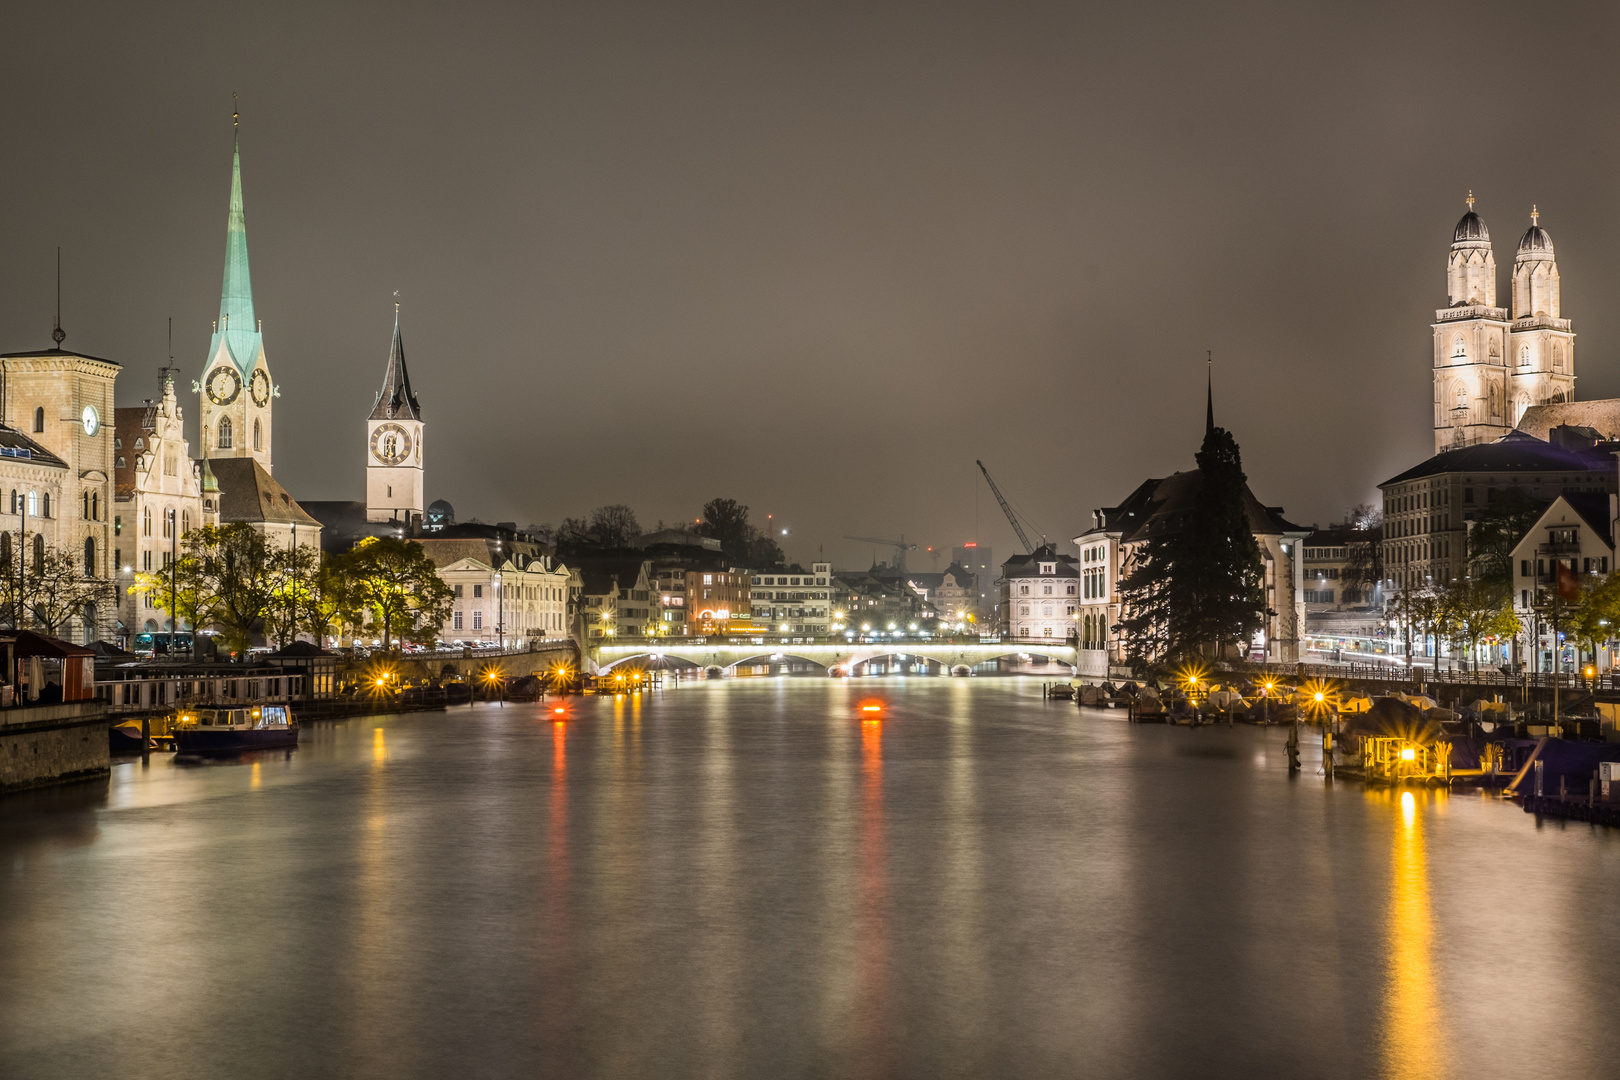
(237, 329)
(396, 400)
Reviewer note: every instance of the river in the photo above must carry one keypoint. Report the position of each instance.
(757, 878)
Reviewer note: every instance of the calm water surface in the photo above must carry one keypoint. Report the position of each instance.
(744, 879)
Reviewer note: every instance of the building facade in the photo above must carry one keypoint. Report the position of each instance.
(793, 600)
(719, 601)
(1492, 364)
(1428, 508)
(56, 468)
(157, 500)
(1040, 596)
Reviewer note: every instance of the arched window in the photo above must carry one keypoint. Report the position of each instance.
(1462, 397)
(1558, 358)
(39, 418)
(45, 505)
(258, 436)
(185, 522)
(33, 504)
(95, 506)
(1459, 351)
(225, 433)
(89, 556)
(90, 621)
(166, 519)
(84, 510)
(39, 553)
(5, 552)
(1524, 356)
(13, 500)
(146, 522)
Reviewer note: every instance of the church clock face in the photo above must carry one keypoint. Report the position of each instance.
(390, 444)
(260, 388)
(223, 385)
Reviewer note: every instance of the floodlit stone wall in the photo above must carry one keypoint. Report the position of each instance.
(49, 744)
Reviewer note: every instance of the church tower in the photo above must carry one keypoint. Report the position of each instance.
(1541, 346)
(394, 445)
(235, 391)
(1470, 337)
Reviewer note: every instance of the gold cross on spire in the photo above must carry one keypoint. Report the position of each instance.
(1535, 215)
(1470, 200)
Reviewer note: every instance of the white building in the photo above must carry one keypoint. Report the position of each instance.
(793, 600)
(157, 500)
(506, 589)
(1040, 596)
(1573, 535)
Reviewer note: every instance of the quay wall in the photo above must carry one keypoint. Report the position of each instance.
(51, 744)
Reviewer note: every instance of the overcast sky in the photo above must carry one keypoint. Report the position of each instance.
(817, 258)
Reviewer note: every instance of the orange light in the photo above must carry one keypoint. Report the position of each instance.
(559, 710)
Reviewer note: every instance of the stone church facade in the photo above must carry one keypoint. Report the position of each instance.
(1492, 364)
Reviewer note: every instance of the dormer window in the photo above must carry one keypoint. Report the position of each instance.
(1048, 568)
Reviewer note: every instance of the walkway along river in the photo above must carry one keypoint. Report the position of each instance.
(750, 878)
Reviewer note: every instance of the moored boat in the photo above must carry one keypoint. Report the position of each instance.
(225, 730)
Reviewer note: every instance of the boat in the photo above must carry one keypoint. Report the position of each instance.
(125, 738)
(226, 730)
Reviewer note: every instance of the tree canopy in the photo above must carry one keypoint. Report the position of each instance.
(742, 542)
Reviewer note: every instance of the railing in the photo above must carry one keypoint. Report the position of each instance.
(1489, 676)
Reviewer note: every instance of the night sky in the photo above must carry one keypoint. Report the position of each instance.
(816, 258)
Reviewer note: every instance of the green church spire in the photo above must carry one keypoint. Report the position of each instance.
(237, 328)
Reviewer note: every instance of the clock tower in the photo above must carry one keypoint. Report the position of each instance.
(394, 445)
(235, 389)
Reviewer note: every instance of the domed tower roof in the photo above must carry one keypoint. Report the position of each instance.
(1471, 226)
(1535, 238)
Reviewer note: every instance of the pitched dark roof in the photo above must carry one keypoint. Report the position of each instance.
(249, 494)
(396, 400)
(55, 354)
(1332, 536)
(599, 571)
(1156, 502)
(1029, 565)
(1513, 452)
(1593, 508)
(15, 444)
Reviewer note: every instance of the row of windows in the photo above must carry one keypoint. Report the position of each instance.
(38, 545)
(1459, 351)
(1046, 610)
(1046, 590)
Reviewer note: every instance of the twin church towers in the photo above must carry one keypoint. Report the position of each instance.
(1491, 365)
(237, 395)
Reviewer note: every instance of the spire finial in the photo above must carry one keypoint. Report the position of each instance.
(396, 305)
(236, 117)
(1209, 400)
(1535, 215)
(58, 335)
(1470, 200)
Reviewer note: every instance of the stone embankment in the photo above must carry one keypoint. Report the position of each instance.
(52, 744)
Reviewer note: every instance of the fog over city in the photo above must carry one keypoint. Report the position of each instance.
(818, 260)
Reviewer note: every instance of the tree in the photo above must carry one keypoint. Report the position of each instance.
(1497, 529)
(1199, 583)
(51, 590)
(225, 578)
(1471, 611)
(1364, 554)
(292, 577)
(396, 582)
(329, 601)
(742, 543)
(614, 526)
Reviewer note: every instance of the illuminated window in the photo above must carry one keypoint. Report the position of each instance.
(225, 433)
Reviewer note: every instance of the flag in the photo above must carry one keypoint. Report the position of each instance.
(1569, 583)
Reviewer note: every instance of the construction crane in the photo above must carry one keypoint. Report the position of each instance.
(900, 545)
(1029, 549)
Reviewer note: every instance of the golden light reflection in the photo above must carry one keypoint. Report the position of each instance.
(1413, 1040)
(379, 750)
(254, 777)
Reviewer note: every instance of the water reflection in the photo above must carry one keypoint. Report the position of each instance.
(1413, 1038)
(872, 945)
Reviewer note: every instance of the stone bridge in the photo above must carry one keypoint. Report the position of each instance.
(836, 655)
